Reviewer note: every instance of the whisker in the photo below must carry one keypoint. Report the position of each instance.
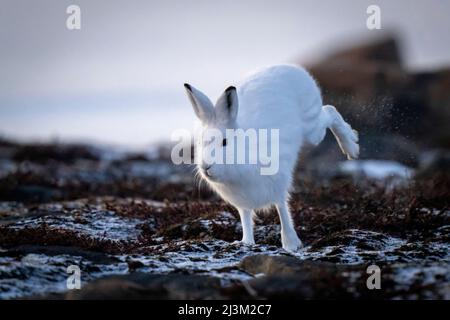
(198, 181)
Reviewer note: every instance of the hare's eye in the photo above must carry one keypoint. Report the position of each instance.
(224, 142)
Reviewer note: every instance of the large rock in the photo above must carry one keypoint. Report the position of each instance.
(283, 277)
(149, 286)
(372, 89)
(291, 278)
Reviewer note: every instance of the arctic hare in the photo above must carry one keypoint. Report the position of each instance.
(280, 97)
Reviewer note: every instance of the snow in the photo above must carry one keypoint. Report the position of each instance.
(376, 169)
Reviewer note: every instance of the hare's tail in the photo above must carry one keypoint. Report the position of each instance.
(346, 137)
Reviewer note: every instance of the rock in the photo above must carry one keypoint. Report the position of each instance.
(292, 278)
(379, 97)
(55, 152)
(389, 173)
(149, 286)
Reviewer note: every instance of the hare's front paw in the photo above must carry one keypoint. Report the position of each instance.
(244, 242)
(291, 242)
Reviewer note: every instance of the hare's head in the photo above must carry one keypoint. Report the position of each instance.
(211, 142)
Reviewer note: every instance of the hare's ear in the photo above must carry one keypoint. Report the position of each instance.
(203, 107)
(227, 106)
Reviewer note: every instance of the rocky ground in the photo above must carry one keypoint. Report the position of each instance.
(139, 227)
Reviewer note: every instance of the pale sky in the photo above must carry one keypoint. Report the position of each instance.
(119, 79)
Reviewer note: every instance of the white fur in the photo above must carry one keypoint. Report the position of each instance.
(281, 97)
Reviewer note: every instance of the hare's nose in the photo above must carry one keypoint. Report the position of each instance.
(205, 169)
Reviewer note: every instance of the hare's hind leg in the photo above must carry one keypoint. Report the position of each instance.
(247, 226)
(289, 237)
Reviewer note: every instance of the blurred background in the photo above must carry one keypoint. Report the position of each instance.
(119, 79)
